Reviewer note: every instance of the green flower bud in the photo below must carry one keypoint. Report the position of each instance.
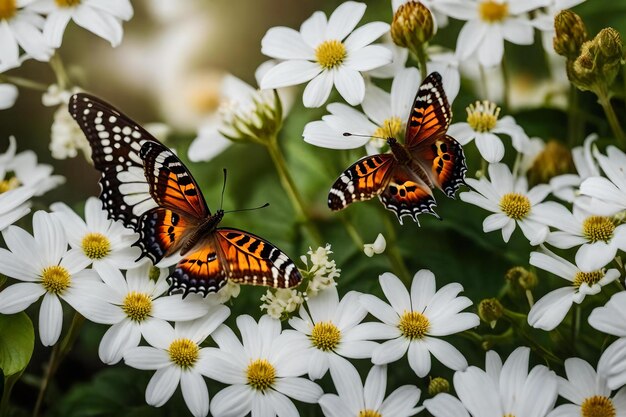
(521, 278)
(413, 25)
(571, 33)
(258, 122)
(582, 73)
(437, 386)
(555, 159)
(610, 54)
(490, 310)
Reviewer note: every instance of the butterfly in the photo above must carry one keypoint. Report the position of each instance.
(403, 178)
(147, 187)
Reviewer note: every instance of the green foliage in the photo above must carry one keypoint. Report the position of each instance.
(17, 338)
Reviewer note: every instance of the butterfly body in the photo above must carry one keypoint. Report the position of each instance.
(147, 187)
(403, 178)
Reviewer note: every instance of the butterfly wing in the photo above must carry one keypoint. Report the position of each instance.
(162, 232)
(363, 180)
(236, 255)
(431, 113)
(442, 159)
(407, 195)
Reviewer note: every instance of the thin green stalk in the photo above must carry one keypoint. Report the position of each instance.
(23, 82)
(572, 117)
(59, 352)
(420, 54)
(392, 252)
(352, 232)
(9, 383)
(605, 102)
(483, 80)
(290, 187)
(575, 324)
(63, 80)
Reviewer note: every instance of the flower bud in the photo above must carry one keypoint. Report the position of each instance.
(571, 33)
(555, 159)
(610, 54)
(490, 310)
(258, 120)
(521, 278)
(437, 386)
(413, 25)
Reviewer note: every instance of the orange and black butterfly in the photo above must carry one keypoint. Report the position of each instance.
(149, 189)
(402, 179)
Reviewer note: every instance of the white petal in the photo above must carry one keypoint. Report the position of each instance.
(220, 365)
(445, 405)
(344, 19)
(147, 358)
(318, 89)
(103, 25)
(470, 38)
(50, 319)
(118, 340)
(174, 308)
(368, 58)
(490, 147)
(593, 256)
(365, 35)
(446, 354)
(379, 309)
(350, 85)
(195, 393)
(347, 383)
(162, 385)
(324, 305)
(18, 297)
(290, 73)
(300, 389)
(396, 292)
(375, 386)
(285, 43)
(419, 358)
(491, 50)
(313, 30)
(232, 401)
(518, 31)
(390, 351)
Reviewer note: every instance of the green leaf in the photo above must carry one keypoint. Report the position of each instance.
(17, 339)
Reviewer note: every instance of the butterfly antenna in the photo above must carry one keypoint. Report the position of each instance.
(248, 209)
(363, 136)
(223, 189)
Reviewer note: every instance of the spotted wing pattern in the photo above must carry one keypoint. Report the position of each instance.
(363, 180)
(407, 195)
(115, 142)
(431, 114)
(443, 160)
(162, 232)
(235, 255)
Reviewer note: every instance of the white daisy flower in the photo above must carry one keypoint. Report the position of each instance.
(102, 18)
(385, 115)
(483, 125)
(326, 53)
(331, 330)
(21, 27)
(177, 357)
(588, 392)
(8, 95)
(550, 310)
(22, 169)
(358, 400)
(14, 204)
(48, 269)
(511, 202)
(262, 370)
(98, 240)
(599, 237)
(489, 24)
(375, 248)
(608, 195)
(565, 187)
(499, 390)
(135, 306)
(415, 322)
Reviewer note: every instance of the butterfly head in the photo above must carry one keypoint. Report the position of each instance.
(391, 141)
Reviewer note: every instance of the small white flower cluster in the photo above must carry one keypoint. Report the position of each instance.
(322, 272)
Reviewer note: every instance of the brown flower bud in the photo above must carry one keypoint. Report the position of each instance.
(521, 278)
(555, 159)
(438, 385)
(413, 25)
(571, 33)
(490, 310)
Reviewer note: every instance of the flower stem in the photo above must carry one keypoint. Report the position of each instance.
(392, 252)
(420, 54)
(56, 63)
(59, 352)
(605, 102)
(9, 382)
(290, 187)
(575, 324)
(23, 82)
(572, 117)
(352, 232)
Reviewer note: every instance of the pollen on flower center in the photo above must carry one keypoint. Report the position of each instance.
(492, 11)
(184, 352)
(96, 245)
(261, 374)
(325, 336)
(55, 279)
(598, 406)
(482, 116)
(515, 205)
(589, 278)
(598, 228)
(508, 415)
(413, 325)
(330, 54)
(369, 413)
(67, 3)
(11, 183)
(391, 128)
(137, 306)
(8, 8)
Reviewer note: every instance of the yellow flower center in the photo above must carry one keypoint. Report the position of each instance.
(330, 54)
(137, 306)
(516, 206)
(184, 352)
(369, 413)
(8, 8)
(598, 406)
(261, 374)
(491, 11)
(55, 279)
(482, 116)
(11, 183)
(325, 336)
(508, 415)
(590, 278)
(96, 245)
(391, 128)
(598, 228)
(67, 3)
(413, 325)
